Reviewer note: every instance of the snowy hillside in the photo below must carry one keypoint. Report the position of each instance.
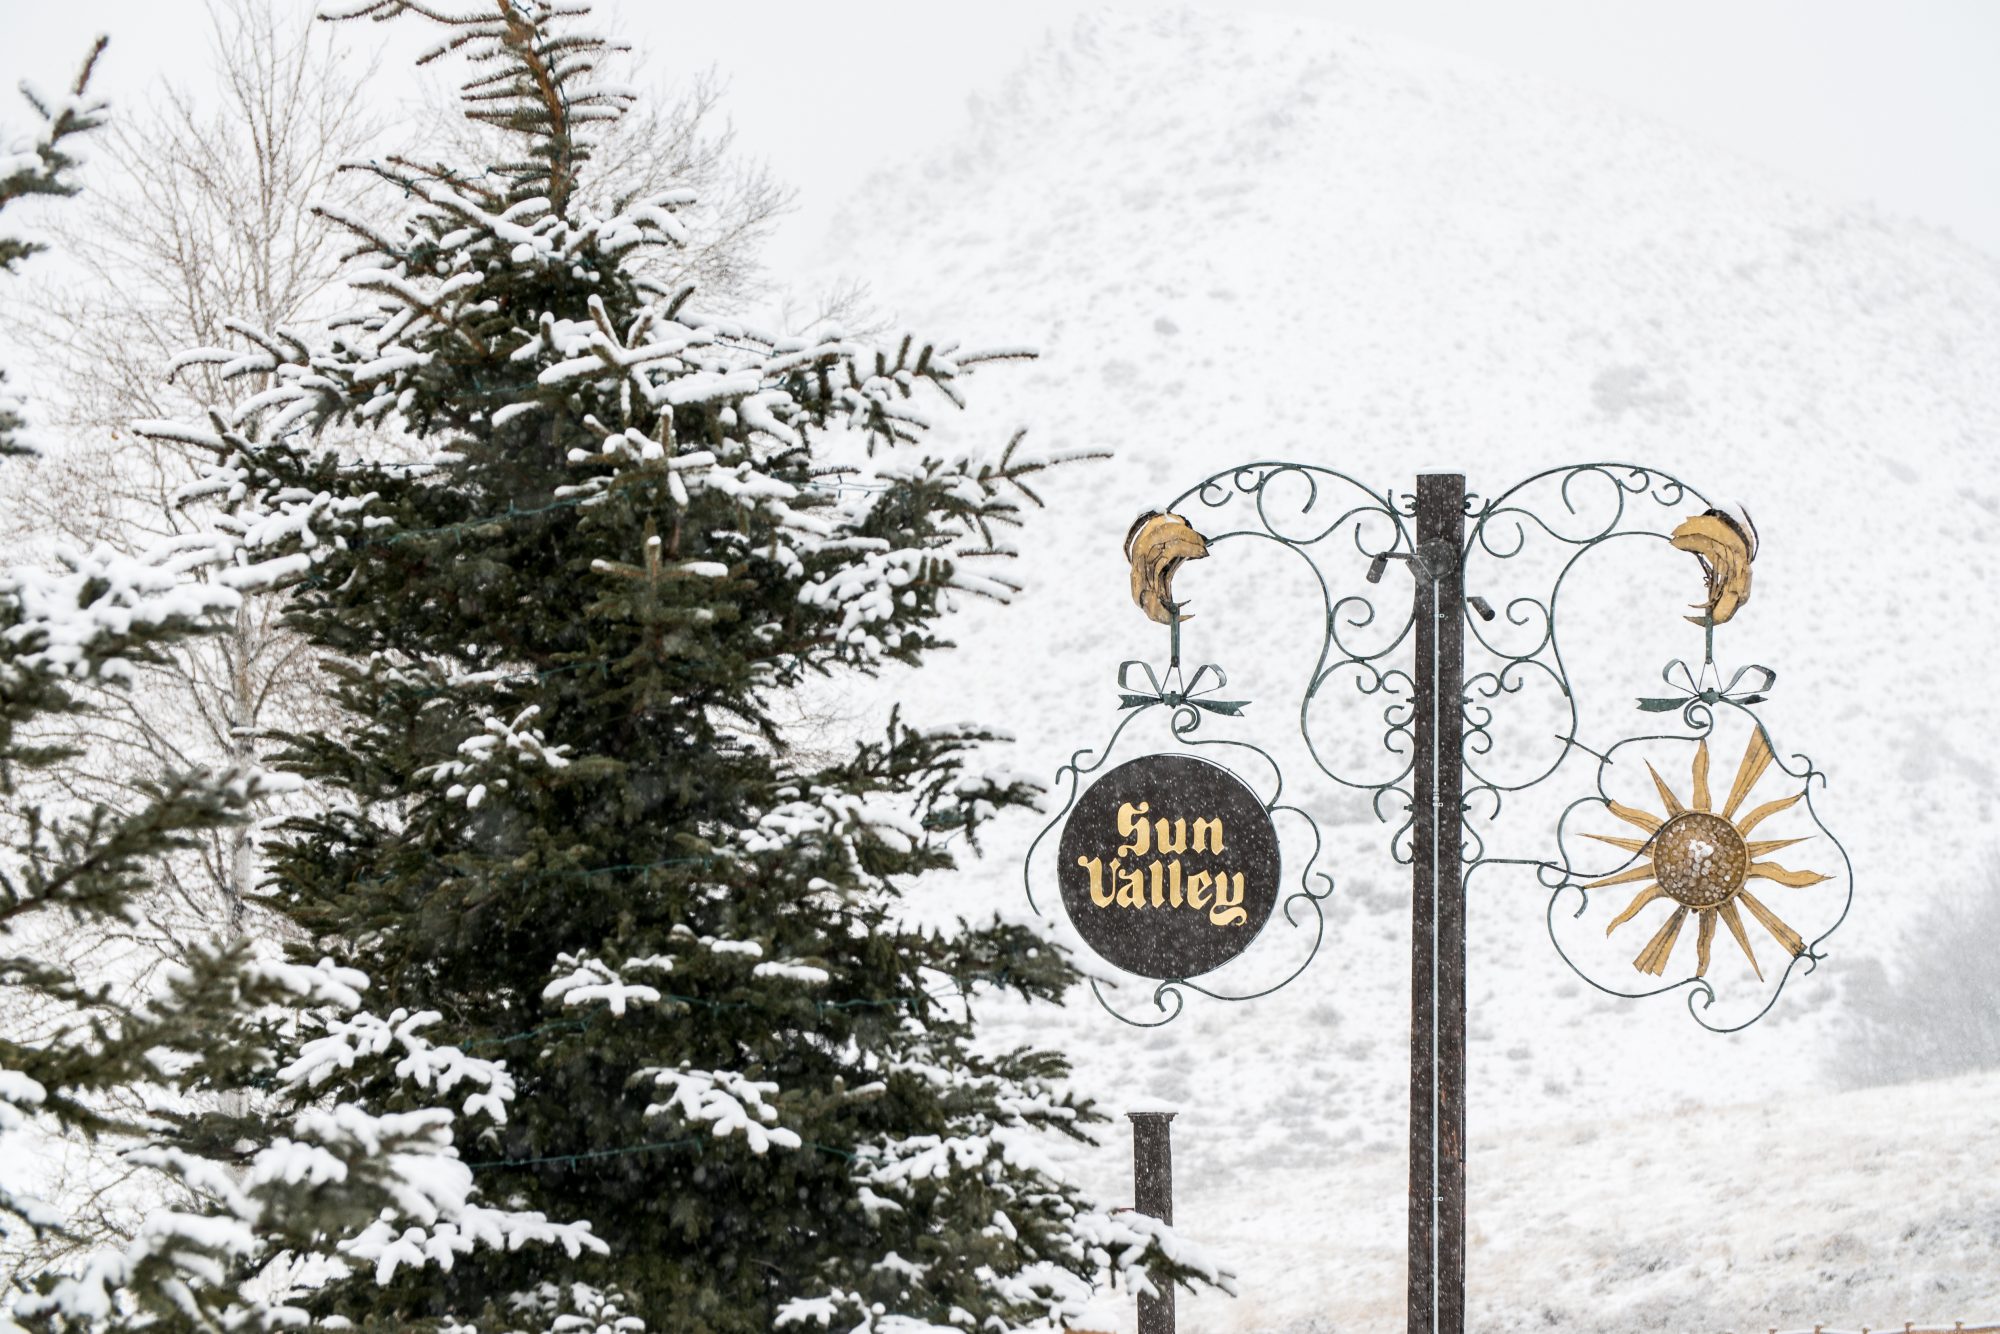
(1235, 240)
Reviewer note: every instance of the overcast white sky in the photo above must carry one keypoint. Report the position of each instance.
(1894, 101)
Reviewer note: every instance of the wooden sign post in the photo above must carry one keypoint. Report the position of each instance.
(1153, 1195)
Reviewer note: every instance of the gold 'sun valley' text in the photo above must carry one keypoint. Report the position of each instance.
(1147, 870)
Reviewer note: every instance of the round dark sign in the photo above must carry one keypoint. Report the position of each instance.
(1169, 866)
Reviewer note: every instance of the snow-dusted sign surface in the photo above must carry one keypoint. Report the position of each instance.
(1169, 866)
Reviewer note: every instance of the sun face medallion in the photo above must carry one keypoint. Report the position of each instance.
(1700, 859)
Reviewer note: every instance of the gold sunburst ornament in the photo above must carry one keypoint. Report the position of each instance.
(1701, 860)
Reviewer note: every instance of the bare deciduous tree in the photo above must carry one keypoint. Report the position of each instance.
(666, 140)
(1933, 1019)
(201, 211)
(737, 202)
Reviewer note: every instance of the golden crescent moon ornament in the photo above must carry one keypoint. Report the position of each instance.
(1724, 540)
(1156, 545)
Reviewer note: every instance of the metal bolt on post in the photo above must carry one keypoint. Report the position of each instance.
(1153, 1195)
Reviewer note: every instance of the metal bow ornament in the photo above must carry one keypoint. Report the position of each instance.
(1693, 692)
(1136, 698)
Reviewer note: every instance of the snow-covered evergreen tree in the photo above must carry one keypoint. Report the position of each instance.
(572, 828)
(79, 1057)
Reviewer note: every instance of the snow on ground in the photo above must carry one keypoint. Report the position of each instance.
(1776, 1214)
(1237, 239)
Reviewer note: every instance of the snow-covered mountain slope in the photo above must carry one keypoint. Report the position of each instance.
(1237, 239)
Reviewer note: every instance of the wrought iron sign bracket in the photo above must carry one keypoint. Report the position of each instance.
(1693, 856)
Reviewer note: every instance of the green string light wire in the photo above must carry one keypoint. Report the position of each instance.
(488, 521)
(590, 1155)
(560, 1024)
(570, 502)
(889, 1003)
(601, 664)
(580, 872)
(629, 1149)
(628, 866)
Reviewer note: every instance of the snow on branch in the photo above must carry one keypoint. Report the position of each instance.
(98, 613)
(590, 981)
(35, 163)
(423, 1063)
(857, 1314)
(731, 1102)
(497, 746)
(574, 1308)
(400, 1165)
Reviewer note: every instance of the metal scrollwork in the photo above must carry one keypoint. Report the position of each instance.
(1593, 505)
(1337, 526)
(1185, 697)
(1538, 531)
(1599, 503)
(1570, 872)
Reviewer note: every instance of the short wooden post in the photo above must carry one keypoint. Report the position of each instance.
(1153, 1195)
